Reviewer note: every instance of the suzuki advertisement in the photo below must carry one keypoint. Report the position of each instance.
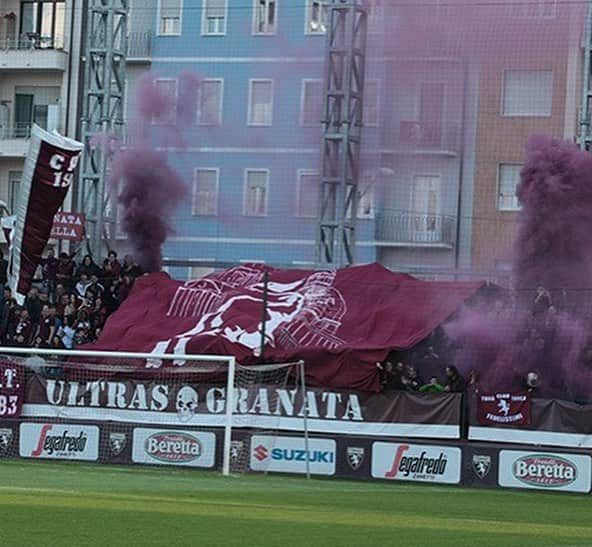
(415, 462)
(289, 455)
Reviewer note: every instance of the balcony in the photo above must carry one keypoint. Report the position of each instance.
(422, 138)
(33, 53)
(139, 47)
(14, 141)
(409, 229)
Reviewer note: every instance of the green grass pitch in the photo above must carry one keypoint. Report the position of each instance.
(47, 503)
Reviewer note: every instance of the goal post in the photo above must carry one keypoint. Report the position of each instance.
(136, 400)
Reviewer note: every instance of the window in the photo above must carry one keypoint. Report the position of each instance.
(371, 107)
(317, 17)
(508, 179)
(264, 17)
(169, 17)
(365, 196)
(431, 112)
(36, 104)
(42, 24)
(307, 200)
(168, 88)
(425, 222)
(14, 184)
(533, 9)
(209, 110)
(205, 192)
(527, 93)
(375, 14)
(213, 17)
(311, 103)
(260, 102)
(256, 189)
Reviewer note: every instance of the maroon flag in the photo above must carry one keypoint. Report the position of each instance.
(499, 409)
(48, 173)
(12, 389)
(340, 322)
(68, 226)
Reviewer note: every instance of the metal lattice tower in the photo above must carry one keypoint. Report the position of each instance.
(585, 137)
(102, 118)
(342, 128)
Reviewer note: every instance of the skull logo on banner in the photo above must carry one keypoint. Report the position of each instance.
(186, 403)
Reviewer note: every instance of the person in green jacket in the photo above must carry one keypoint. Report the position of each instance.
(433, 386)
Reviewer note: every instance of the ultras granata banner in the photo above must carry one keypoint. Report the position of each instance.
(47, 176)
(192, 404)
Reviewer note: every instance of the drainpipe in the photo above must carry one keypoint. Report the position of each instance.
(459, 202)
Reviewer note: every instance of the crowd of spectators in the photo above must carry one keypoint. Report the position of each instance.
(533, 330)
(68, 304)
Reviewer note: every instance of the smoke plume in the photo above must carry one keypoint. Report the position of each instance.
(150, 189)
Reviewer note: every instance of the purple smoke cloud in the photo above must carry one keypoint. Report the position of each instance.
(150, 188)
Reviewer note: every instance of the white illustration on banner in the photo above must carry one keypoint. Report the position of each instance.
(306, 312)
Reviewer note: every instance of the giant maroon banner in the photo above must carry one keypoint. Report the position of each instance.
(341, 323)
(499, 409)
(47, 175)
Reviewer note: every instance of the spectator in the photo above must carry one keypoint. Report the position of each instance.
(67, 333)
(410, 379)
(87, 267)
(433, 386)
(72, 307)
(33, 305)
(111, 266)
(473, 387)
(96, 288)
(82, 285)
(59, 292)
(5, 313)
(531, 382)
(56, 343)
(455, 383)
(391, 376)
(65, 271)
(61, 306)
(47, 326)
(49, 269)
(3, 269)
(130, 267)
(124, 288)
(542, 301)
(111, 297)
(98, 314)
(23, 329)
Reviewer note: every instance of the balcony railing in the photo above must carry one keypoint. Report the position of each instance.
(139, 45)
(16, 131)
(409, 228)
(417, 135)
(32, 41)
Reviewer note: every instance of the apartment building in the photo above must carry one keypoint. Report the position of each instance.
(39, 78)
(252, 154)
(531, 86)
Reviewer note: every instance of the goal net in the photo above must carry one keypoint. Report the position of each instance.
(201, 411)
